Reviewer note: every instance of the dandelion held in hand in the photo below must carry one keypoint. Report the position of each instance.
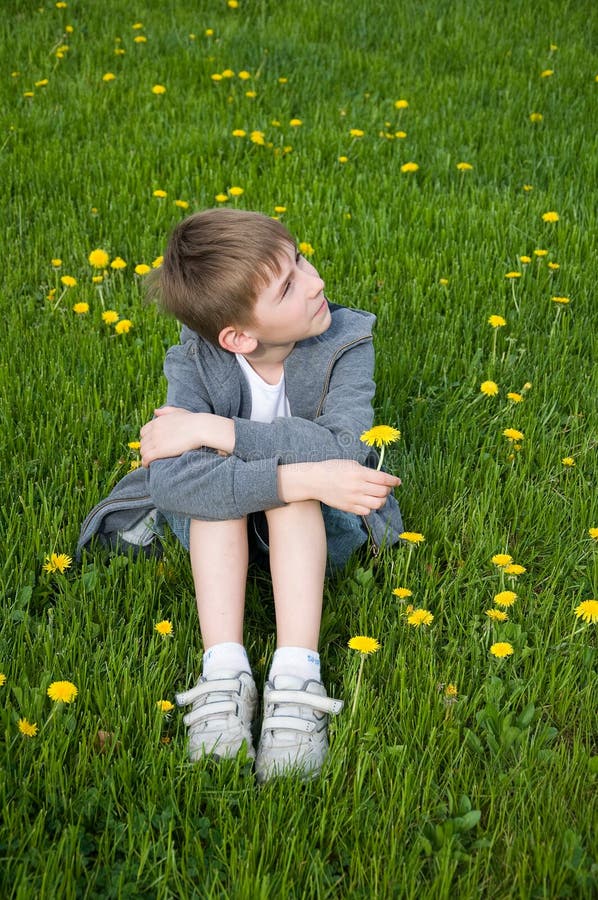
(365, 646)
(380, 436)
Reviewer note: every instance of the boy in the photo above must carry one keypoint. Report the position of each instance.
(258, 450)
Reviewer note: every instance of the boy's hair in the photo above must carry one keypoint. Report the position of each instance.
(214, 266)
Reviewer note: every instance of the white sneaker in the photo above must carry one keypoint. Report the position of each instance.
(294, 736)
(221, 715)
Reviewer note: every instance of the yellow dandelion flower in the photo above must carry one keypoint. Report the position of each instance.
(216, 76)
(140, 39)
(343, 159)
(562, 300)
(228, 73)
(236, 191)
(160, 194)
(451, 690)
(550, 216)
(464, 167)
(502, 559)
(283, 80)
(134, 464)
(400, 134)
(588, 611)
(420, 617)
(380, 435)
(546, 73)
(244, 75)
(295, 123)
(280, 209)
(540, 253)
(164, 705)
(501, 649)
(497, 321)
(157, 262)
(513, 435)
(497, 615)
(525, 260)
(257, 137)
(142, 269)
(110, 316)
(534, 117)
(56, 263)
(98, 259)
(57, 562)
(514, 569)
(412, 537)
(364, 644)
(239, 132)
(62, 691)
(51, 294)
(28, 729)
(134, 445)
(356, 132)
(251, 94)
(42, 83)
(402, 593)
(221, 198)
(513, 275)
(505, 598)
(182, 204)
(409, 167)
(118, 263)
(158, 89)
(68, 281)
(2, 679)
(123, 327)
(164, 627)
(443, 281)
(81, 308)
(137, 26)
(233, 4)
(306, 249)
(514, 397)
(109, 76)
(489, 388)
(568, 461)
(553, 266)
(209, 32)
(593, 532)
(528, 187)
(401, 104)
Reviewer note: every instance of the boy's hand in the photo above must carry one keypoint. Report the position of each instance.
(171, 433)
(341, 483)
(174, 431)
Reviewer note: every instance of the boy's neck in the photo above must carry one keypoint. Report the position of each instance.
(268, 359)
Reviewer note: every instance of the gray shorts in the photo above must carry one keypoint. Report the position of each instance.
(345, 533)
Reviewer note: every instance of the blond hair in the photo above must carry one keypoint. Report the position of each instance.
(214, 266)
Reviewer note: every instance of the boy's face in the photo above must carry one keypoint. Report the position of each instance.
(292, 307)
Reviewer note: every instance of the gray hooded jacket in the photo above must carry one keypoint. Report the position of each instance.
(330, 388)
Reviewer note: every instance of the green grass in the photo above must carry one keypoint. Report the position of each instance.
(492, 795)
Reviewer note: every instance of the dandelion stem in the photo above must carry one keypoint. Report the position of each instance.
(409, 552)
(379, 466)
(353, 708)
(494, 349)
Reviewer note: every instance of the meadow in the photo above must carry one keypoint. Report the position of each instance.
(438, 162)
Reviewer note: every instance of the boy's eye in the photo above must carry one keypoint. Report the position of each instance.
(298, 258)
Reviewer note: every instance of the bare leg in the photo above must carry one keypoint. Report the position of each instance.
(219, 560)
(297, 539)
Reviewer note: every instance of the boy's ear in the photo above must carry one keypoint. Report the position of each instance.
(236, 341)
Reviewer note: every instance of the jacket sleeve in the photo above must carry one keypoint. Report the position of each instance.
(201, 484)
(346, 412)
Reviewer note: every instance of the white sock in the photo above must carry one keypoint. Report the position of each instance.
(227, 657)
(298, 661)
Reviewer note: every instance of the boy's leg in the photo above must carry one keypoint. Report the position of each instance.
(296, 707)
(225, 698)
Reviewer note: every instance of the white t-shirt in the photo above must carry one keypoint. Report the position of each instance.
(268, 401)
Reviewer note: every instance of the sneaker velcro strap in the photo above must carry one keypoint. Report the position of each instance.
(304, 698)
(207, 687)
(210, 710)
(289, 723)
